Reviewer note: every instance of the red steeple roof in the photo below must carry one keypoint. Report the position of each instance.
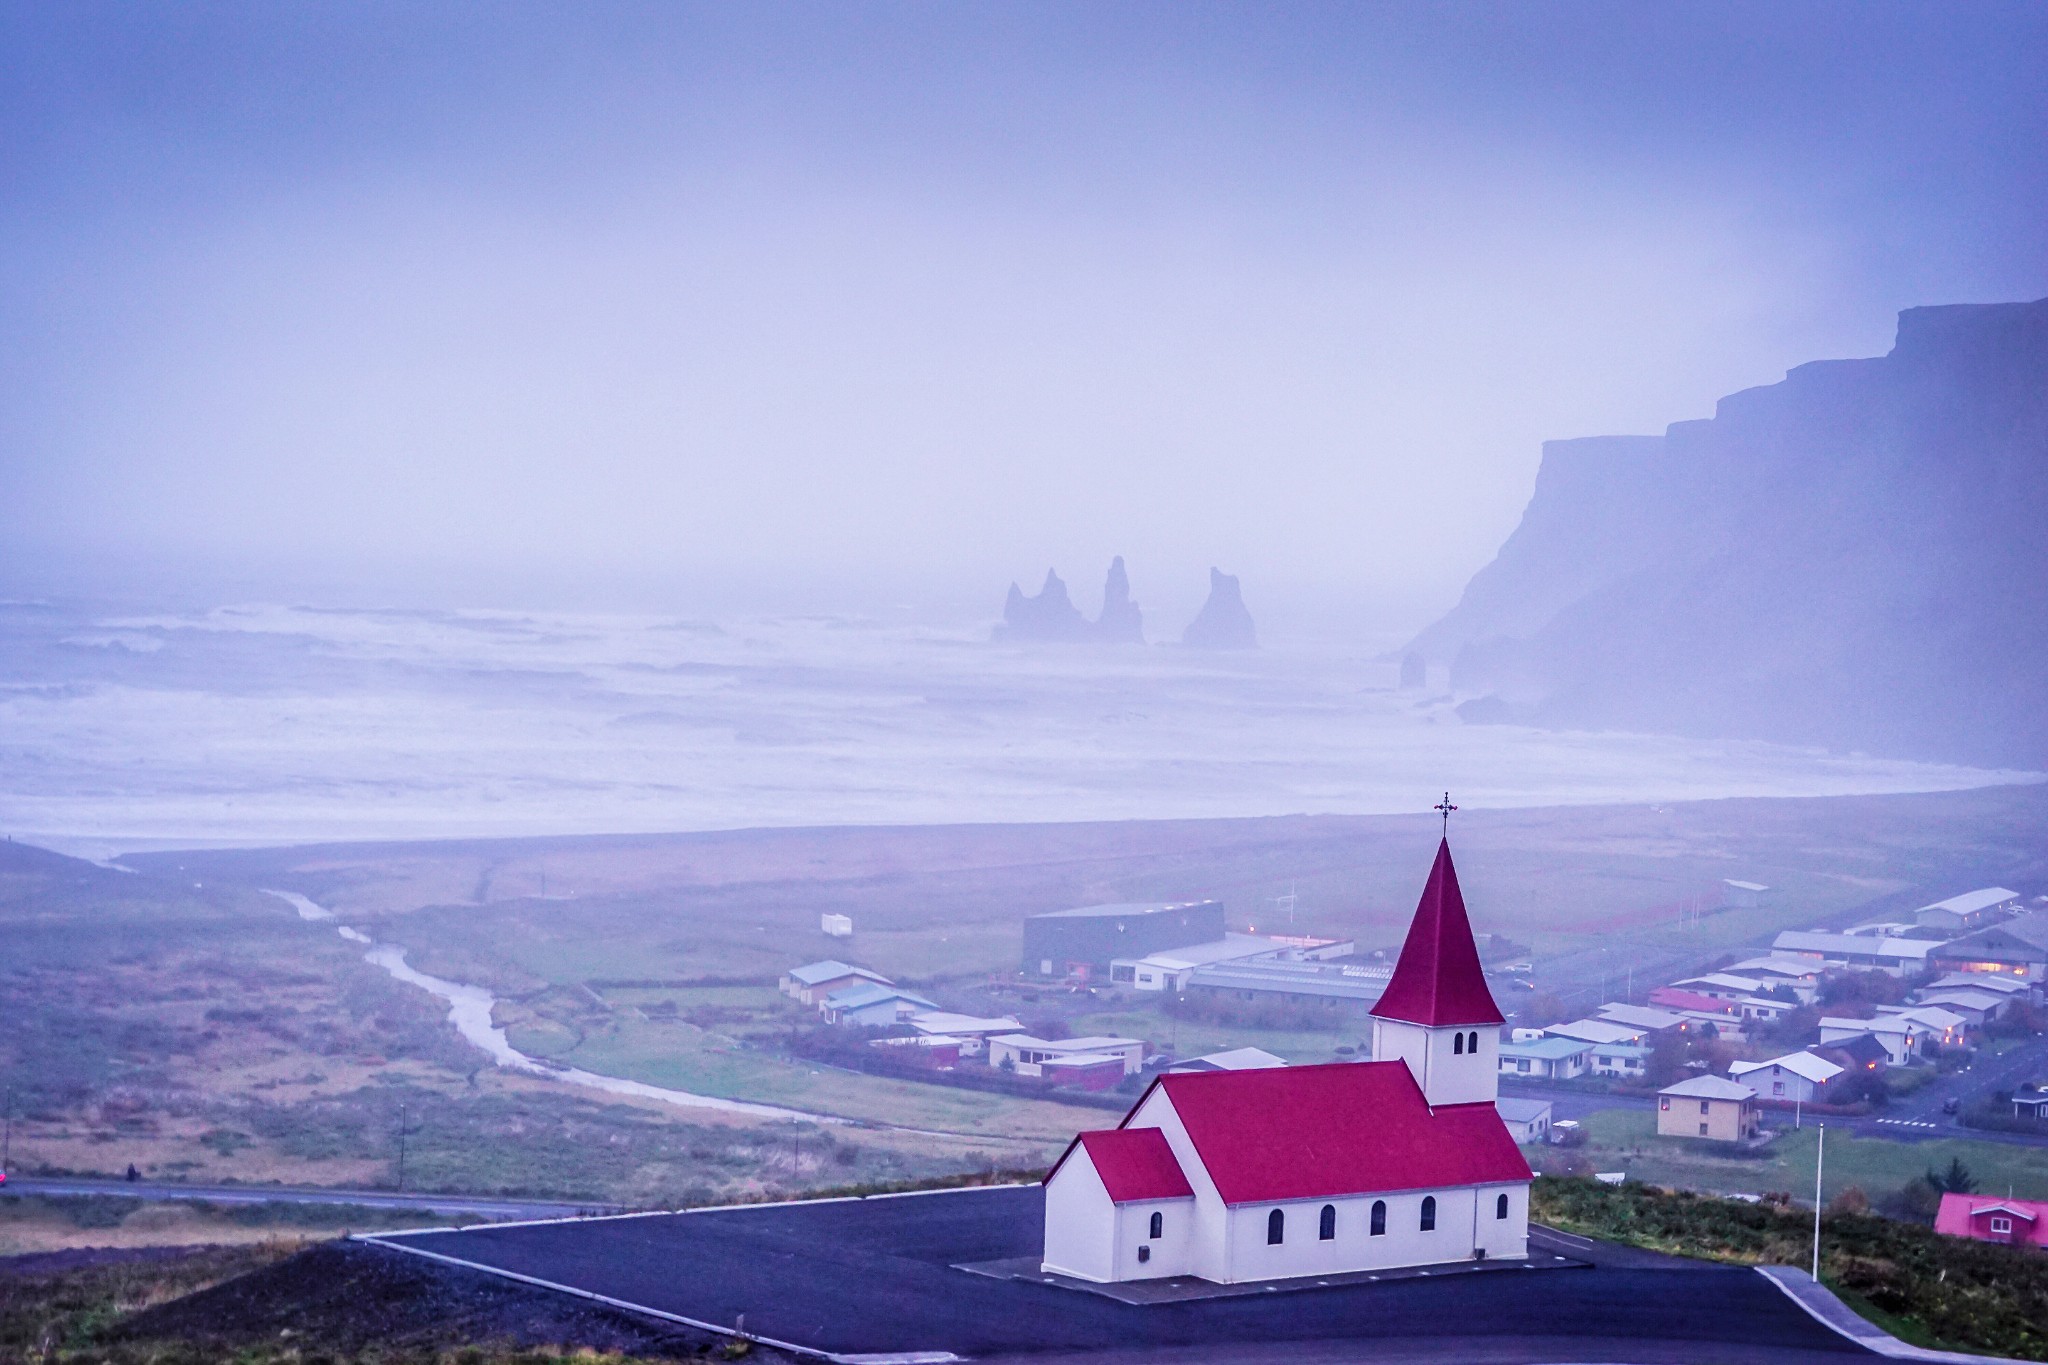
(1438, 980)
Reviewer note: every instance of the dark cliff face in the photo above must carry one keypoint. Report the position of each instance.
(1856, 557)
(1121, 621)
(1224, 622)
(1047, 615)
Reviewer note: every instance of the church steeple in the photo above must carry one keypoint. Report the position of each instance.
(1438, 981)
(1437, 1014)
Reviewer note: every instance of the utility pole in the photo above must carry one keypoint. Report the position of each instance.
(401, 1146)
(1820, 1156)
(7, 1133)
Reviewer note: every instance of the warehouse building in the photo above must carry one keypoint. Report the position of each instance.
(1082, 942)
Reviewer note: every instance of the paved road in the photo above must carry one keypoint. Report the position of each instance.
(265, 1194)
(876, 1276)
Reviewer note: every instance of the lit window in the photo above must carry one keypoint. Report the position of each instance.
(1429, 1213)
(1379, 1218)
(1276, 1228)
(1158, 1225)
(1326, 1226)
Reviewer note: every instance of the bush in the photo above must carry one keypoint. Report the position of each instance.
(1973, 1295)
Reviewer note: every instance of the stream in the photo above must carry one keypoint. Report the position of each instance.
(469, 1009)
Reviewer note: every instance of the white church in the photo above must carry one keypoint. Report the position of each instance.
(1238, 1176)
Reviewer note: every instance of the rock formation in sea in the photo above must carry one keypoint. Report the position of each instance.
(1121, 622)
(1047, 615)
(1223, 622)
(1852, 558)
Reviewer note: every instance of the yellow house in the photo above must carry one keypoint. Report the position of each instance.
(1710, 1107)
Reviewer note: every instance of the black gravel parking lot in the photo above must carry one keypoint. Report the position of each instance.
(876, 1276)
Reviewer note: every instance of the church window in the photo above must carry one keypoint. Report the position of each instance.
(1276, 1228)
(1158, 1225)
(1500, 1207)
(1457, 1045)
(1379, 1218)
(1472, 1041)
(1327, 1229)
(1429, 1213)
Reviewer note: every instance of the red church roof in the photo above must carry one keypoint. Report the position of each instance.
(1317, 1132)
(1135, 1164)
(1438, 979)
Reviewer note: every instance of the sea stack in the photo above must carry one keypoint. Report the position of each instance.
(1049, 615)
(1121, 623)
(1223, 622)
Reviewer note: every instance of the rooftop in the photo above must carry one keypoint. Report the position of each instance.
(1121, 909)
(1709, 1088)
(1807, 941)
(1819, 1070)
(1972, 902)
(1236, 1120)
(1438, 979)
(814, 973)
(1135, 1164)
(1595, 1031)
(1546, 1049)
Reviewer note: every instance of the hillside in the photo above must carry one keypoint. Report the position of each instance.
(1852, 558)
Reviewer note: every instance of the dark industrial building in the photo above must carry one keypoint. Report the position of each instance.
(1082, 941)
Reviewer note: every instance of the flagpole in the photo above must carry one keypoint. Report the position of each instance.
(1820, 1156)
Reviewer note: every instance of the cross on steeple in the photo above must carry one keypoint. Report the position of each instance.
(1446, 808)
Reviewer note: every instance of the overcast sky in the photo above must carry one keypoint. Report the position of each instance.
(729, 306)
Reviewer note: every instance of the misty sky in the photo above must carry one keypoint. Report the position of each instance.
(851, 306)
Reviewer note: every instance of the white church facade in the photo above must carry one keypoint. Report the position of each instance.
(1237, 1176)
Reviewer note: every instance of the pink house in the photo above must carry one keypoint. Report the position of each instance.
(1987, 1218)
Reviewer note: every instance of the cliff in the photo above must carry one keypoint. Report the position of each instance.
(1224, 622)
(1855, 557)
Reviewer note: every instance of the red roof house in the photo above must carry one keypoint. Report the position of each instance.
(1315, 1170)
(1987, 1218)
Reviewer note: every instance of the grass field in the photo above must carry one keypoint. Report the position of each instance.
(1626, 1140)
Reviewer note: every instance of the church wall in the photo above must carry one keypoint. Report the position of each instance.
(1208, 1251)
(1080, 1222)
(1502, 1237)
(1353, 1248)
(1446, 1075)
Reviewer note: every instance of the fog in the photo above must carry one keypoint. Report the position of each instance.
(843, 308)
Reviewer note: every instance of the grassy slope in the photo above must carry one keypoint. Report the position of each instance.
(1941, 1291)
(1626, 1140)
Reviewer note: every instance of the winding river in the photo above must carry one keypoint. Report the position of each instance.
(470, 1007)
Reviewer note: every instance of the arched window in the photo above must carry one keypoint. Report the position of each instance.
(1159, 1219)
(1500, 1209)
(1457, 1044)
(1379, 1218)
(1327, 1229)
(1276, 1228)
(1472, 1042)
(1429, 1213)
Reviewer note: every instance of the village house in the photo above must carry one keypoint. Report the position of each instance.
(1555, 1059)
(1795, 1078)
(1623, 1061)
(1528, 1121)
(1863, 952)
(1711, 1107)
(1647, 1019)
(2017, 949)
(872, 1005)
(1270, 1173)
(1027, 1056)
(1236, 1059)
(1988, 1218)
(811, 983)
(1970, 911)
(972, 1030)
(1901, 1038)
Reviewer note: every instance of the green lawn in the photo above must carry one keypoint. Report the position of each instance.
(1625, 1139)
